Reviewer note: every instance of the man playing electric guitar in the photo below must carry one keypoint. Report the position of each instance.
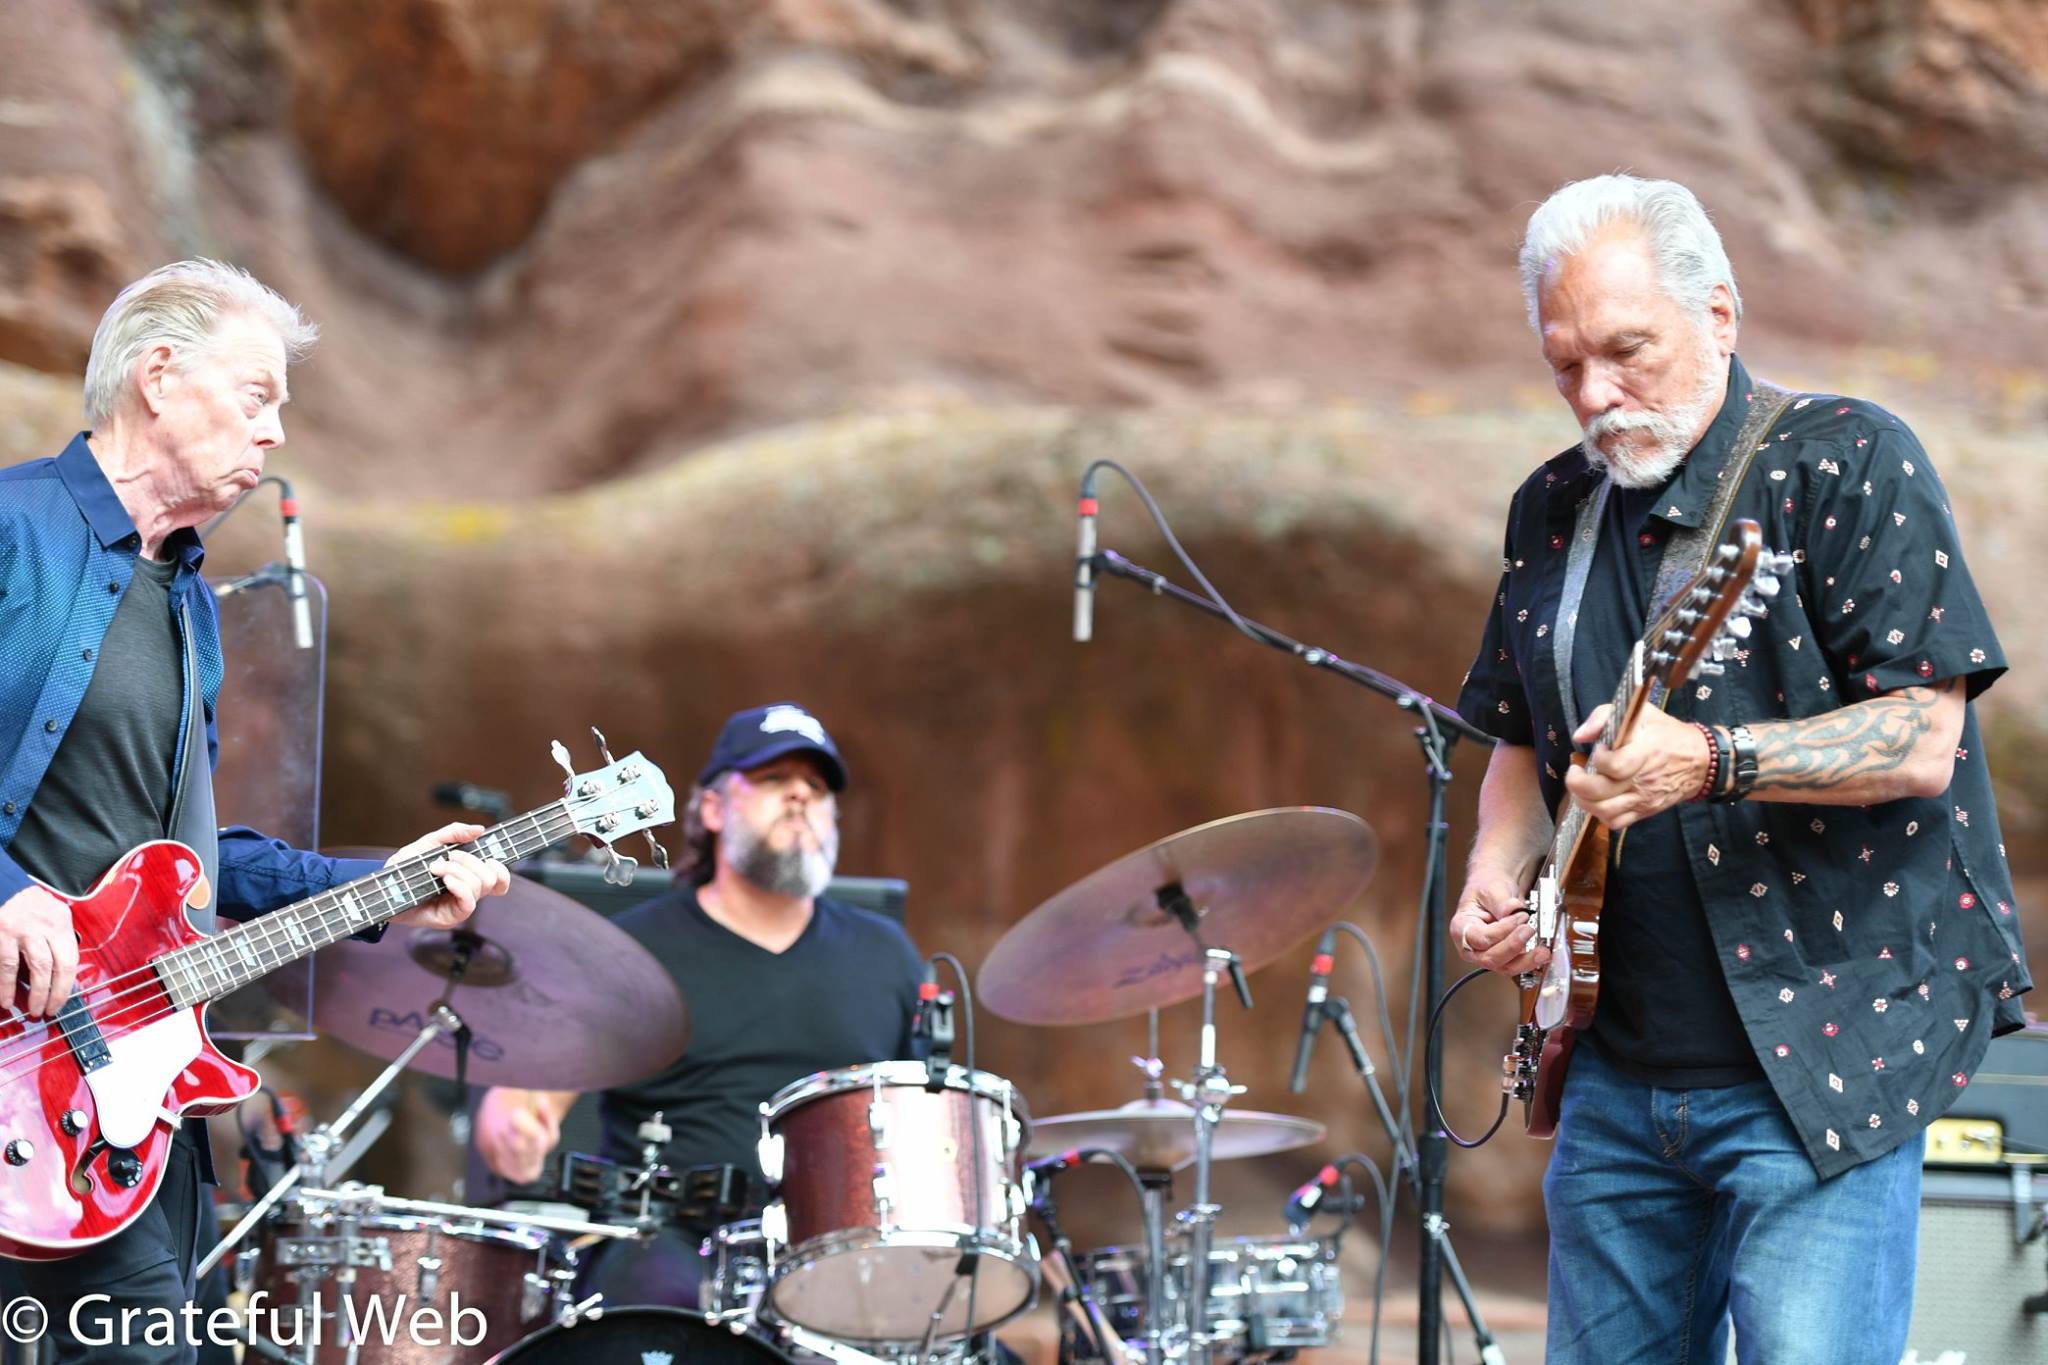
(113, 664)
(1807, 936)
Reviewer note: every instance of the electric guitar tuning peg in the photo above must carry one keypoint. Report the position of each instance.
(561, 756)
(603, 749)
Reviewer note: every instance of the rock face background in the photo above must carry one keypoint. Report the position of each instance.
(682, 356)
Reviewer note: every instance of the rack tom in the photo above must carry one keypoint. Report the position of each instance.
(883, 1182)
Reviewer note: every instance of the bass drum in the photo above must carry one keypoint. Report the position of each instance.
(673, 1336)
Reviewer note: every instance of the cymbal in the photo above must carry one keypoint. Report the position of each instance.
(1159, 1135)
(555, 995)
(1104, 949)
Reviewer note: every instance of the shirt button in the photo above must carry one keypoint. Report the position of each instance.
(49, 727)
(113, 586)
(88, 653)
(8, 808)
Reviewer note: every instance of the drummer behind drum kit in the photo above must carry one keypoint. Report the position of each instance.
(895, 1228)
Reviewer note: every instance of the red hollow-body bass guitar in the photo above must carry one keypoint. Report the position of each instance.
(1689, 637)
(90, 1100)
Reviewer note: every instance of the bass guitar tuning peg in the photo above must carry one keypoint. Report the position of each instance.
(660, 853)
(560, 754)
(604, 750)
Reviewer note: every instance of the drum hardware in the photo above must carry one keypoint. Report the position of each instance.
(319, 1145)
(1437, 729)
(1116, 942)
(1074, 1298)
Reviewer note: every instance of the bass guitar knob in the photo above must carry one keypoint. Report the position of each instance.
(20, 1152)
(73, 1122)
(125, 1168)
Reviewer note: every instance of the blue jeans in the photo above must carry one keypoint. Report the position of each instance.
(1671, 1210)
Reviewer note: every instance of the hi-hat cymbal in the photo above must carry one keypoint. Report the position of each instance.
(556, 996)
(1104, 948)
(1159, 1135)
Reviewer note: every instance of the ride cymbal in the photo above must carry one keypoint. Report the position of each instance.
(1110, 946)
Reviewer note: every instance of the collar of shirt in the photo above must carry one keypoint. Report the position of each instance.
(103, 511)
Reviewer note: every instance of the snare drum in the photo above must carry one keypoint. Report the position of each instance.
(1265, 1293)
(879, 1193)
(401, 1267)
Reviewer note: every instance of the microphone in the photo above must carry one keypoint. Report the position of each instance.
(1053, 1165)
(1084, 564)
(1302, 1204)
(295, 570)
(927, 992)
(1312, 1011)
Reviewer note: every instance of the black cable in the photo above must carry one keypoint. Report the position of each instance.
(1173, 543)
(1435, 1015)
(1379, 987)
(974, 1133)
(1384, 1194)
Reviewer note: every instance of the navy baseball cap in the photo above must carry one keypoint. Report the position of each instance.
(761, 734)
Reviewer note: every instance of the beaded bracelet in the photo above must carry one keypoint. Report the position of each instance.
(1712, 782)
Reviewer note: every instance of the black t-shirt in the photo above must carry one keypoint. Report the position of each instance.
(843, 994)
(108, 787)
(1664, 1015)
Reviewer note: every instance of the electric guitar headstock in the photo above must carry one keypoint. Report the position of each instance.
(1705, 620)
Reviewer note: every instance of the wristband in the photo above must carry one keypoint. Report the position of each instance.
(1742, 768)
(1711, 782)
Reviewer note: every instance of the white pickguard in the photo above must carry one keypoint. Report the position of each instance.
(1556, 989)
(130, 1090)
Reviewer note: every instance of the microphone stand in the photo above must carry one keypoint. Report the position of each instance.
(1438, 729)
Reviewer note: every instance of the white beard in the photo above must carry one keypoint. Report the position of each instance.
(1671, 434)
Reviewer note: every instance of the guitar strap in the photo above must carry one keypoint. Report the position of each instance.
(1685, 554)
(192, 820)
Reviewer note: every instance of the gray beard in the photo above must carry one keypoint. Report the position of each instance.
(1671, 433)
(798, 873)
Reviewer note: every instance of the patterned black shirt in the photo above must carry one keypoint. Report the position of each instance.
(1871, 951)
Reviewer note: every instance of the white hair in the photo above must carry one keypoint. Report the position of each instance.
(181, 305)
(1687, 250)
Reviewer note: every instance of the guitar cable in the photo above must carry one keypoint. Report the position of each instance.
(1435, 1016)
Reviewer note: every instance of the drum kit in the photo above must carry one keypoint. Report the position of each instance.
(900, 1193)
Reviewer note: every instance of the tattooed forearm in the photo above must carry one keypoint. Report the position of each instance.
(1876, 750)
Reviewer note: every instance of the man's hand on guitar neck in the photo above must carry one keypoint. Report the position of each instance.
(466, 877)
(38, 950)
(1660, 763)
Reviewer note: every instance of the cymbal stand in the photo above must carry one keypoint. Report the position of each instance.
(321, 1143)
(1156, 1187)
(1208, 1092)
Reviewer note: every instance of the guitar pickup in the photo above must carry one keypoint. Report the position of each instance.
(82, 1033)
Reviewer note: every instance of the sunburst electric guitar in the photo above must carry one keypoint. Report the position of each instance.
(1692, 636)
(90, 1100)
